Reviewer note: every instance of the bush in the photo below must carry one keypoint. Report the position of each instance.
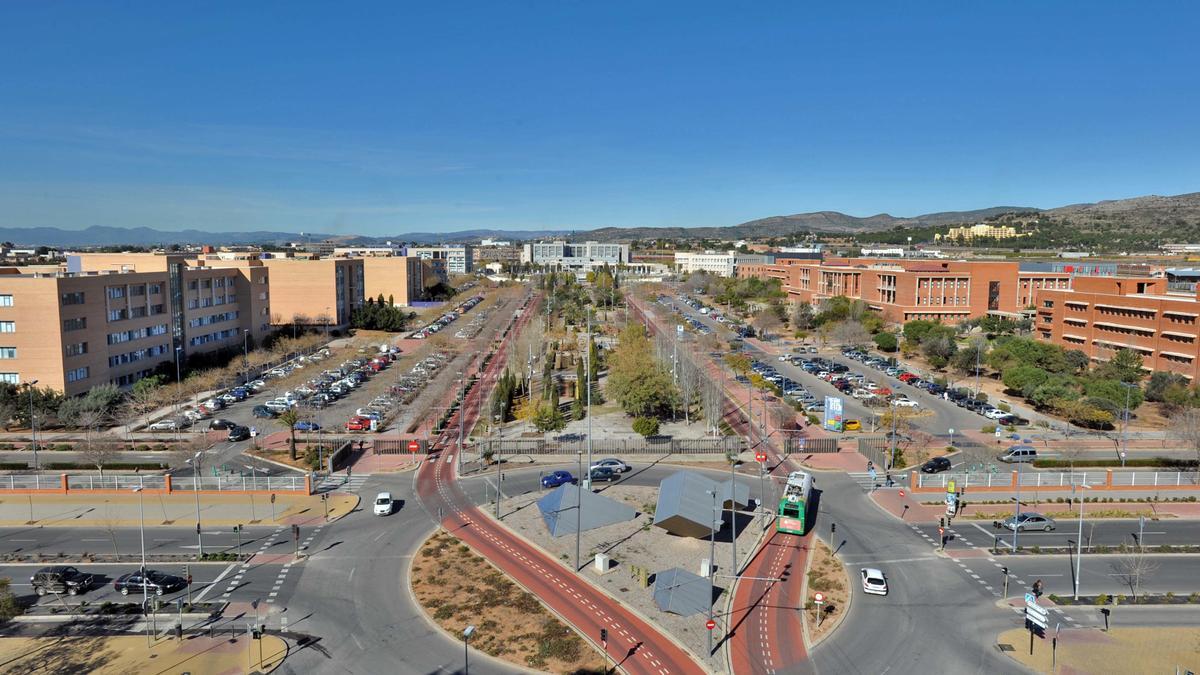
(646, 426)
(988, 428)
(1102, 599)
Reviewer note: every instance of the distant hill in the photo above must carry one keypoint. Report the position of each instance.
(781, 226)
(1149, 213)
(145, 236)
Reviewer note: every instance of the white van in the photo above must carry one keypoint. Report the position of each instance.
(1019, 453)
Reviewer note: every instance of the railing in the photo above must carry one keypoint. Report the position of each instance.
(665, 446)
(291, 483)
(154, 483)
(1060, 481)
(114, 482)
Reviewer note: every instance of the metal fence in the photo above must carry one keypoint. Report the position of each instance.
(127, 482)
(791, 444)
(660, 446)
(1043, 479)
(389, 446)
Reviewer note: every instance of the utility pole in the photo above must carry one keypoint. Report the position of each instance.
(462, 410)
(712, 559)
(1017, 511)
(578, 508)
(33, 429)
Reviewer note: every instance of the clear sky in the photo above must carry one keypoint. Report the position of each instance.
(436, 116)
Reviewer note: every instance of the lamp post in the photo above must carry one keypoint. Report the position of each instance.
(253, 486)
(195, 464)
(462, 409)
(1125, 422)
(33, 428)
(712, 559)
(1079, 537)
(467, 633)
(142, 573)
(578, 507)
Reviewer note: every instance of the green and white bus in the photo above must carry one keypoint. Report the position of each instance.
(793, 507)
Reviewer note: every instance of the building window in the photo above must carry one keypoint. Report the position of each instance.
(6, 301)
(77, 374)
(77, 349)
(155, 289)
(76, 298)
(8, 352)
(75, 324)
(1048, 304)
(118, 314)
(8, 326)
(10, 378)
(156, 309)
(116, 292)
(192, 285)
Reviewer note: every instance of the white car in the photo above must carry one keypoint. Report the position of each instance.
(614, 464)
(383, 504)
(164, 425)
(994, 414)
(905, 403)
(873, 581)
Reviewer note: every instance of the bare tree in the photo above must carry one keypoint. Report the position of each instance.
(849, 332)
(1185, 425)
(1133, 567)
(767, 323)
(97, 454)
(713, 401)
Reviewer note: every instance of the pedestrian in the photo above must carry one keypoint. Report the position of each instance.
(1037, 588)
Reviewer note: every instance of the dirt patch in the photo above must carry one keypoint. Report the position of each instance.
(1121, 650)
(459, 588)
(828, 576)
(119, 655)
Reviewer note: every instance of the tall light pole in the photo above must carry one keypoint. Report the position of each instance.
(470, 630)
(1125, 422)
(712, 561)
(578, 507)
(253, 486)
(1079, 537)
(462, 409)
(33, 427)
(195, 463)
(1017, 511)
(587, 366)
(142, 531)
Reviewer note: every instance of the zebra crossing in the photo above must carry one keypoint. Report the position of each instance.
(340, 483)
(865, 480)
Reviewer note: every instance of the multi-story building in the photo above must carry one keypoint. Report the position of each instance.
(447, 260)
(980, 231)
(579, 257)
(904, 290)
(724, 264)
(116, 318)
(1153, 316)
(399, 278)
(315, 291)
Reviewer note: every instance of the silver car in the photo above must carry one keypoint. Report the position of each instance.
(1027, 521)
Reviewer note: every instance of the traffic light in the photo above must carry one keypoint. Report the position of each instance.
(832, 528)
(1004, 571)
(604, 635)
(941, 522)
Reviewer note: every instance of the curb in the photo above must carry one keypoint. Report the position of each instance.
(849, 601)
(281, 465)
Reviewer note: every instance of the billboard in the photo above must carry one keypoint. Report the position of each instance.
(833, 413)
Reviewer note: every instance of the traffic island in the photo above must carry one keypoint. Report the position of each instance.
(1119, 650)
(458, 588)
(120, 655)
(828, 578)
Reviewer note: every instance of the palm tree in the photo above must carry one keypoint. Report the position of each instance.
(288, 419)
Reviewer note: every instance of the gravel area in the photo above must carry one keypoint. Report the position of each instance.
(638, 543)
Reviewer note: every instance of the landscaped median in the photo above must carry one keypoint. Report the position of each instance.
(457, 588)
(119, 655)
(827, 576)
(1162, 649)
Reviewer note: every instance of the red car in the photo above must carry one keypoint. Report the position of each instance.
(358, 424)
(881, 391)
(905, 377)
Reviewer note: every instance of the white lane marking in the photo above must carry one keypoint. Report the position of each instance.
(215, 582)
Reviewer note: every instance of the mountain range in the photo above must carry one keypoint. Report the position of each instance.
(1162, 214)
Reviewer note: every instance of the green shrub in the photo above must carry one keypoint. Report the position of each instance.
(988, 428)
(646, 426)
(1102, 599)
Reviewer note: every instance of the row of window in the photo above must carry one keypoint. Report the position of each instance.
(8, 326)
(8, 352)
(76, 349)
(136, 334)
(126, 380)
(6, 300)
(212, 318)
(206, 284)
(197, 303)
(76, 298)
(10, 378)
(136, 355)
(212, 337)
(74, 324)
(78, 374)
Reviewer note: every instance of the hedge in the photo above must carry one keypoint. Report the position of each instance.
(1155, 462)
(119, 466)
(14, 466)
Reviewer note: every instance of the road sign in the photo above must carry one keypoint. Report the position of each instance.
(950, 486)
(1035, 614)
(413, 446)
(710, 624)
(818, 597)
(760, 456)
(1030, 599)
(902, 493)
(999, 431)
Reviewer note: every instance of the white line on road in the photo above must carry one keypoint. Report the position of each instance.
(354, 568)
(898, 560)
(215, 582)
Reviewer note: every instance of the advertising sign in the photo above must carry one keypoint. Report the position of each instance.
(833, 413)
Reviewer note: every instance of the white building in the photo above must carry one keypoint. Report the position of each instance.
(721, 264)
(386, 250)
(494, 242)
(582, 257)
(447, 260)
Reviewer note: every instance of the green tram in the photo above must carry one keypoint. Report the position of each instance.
(793, 507)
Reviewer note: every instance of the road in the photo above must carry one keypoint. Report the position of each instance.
(1096, 532)
(159, 540)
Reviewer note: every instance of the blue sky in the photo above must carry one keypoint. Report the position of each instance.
(395, 117)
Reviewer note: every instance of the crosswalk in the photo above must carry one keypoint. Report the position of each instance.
(866, 482)
(339, 483)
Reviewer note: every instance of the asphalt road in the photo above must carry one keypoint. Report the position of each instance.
(1096, 532)
(159, 540)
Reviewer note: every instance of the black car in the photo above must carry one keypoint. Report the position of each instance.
(263, 412)
(604, 473)
(238, 433)
(219, 424)
(61, 579)
(157, 583)
(936, 465)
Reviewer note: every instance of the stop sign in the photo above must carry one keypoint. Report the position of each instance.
(819, 597)
(413, 446)
(902, 493)
(710, 624)
(760, 456)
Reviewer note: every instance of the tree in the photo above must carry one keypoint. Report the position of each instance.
(802, 316)
(1185, 426)
(636, 381)
(968, 358)
(288, 419)
(1160, 384)
(98, 455)
(767, 322)
(1121, 395)
(1024, 379)
(1133, 567)
(886, 342)
(938, 349)
(1126, 365)
(646, 426)
(547, 417)
(848, 332)
(9, 607)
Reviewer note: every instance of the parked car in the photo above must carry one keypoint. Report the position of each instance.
(61, 579)
(936, 465)
(220, 424)
(305, 425)
(873, 581)
(905, 403)
(603, 473)
(1019, 453)
(263, 412)
(614, 464)
(156, 583)
(165, 425)
(1026, 521)
(383, 504)
(358, 424)
(556, 478)
(238, 433)
(852, 425)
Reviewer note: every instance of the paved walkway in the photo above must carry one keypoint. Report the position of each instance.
(121, 510)
(124, 654)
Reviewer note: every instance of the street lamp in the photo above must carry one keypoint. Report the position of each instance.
(142, 531)
(712, 559)
(253, 486)
(1079, 537)
(467, 633)
(194, 461)
(33, 427)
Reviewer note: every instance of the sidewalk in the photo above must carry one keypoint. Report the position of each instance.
(176, 509)
(905, 508)
(123, 654)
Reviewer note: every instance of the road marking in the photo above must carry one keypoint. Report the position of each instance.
(215, 582)
(890, 562)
